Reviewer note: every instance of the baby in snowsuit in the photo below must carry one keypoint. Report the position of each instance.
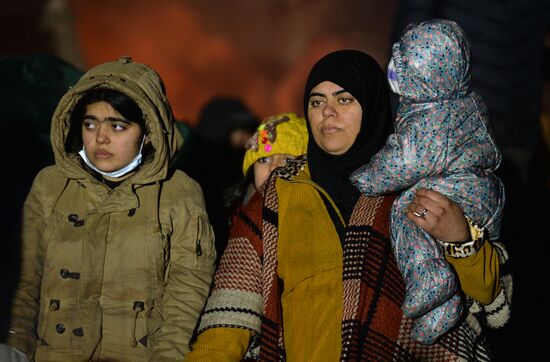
(441, 142)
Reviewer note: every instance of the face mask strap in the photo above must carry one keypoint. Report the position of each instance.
(142, 143)
(136, 161)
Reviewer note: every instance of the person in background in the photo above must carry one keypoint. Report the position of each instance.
(319, 280)
(117, 251)
(224, 126)
(278, 140)
(442, 142)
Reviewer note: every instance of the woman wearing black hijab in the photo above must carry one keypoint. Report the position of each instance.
(321, 281)
(351, 70)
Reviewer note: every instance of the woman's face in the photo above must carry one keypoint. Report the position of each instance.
(334, 117)
(110, 140)
(265, 165)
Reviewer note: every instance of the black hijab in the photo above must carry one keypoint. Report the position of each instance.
(360, 75)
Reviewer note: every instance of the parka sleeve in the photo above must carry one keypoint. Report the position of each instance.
(25, 304)
(191, 270)
(487, 282)
(232, 319)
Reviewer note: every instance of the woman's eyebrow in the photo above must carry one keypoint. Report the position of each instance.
(115, 119)
(89, 116)
(315, 94)
(339, 92)
(110, 119)
(333, 93)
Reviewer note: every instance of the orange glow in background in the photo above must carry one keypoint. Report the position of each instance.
(259, 51)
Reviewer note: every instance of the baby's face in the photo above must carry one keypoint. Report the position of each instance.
(392, 77)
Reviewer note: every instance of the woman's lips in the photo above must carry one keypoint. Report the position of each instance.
(102, 155)
(329, 130)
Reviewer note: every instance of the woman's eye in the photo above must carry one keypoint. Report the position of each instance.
(118, 127)
(315, 102)
(89, 125)
(345, 100)
(263, 160)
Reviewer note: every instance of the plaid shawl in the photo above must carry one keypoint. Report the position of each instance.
(247, 289)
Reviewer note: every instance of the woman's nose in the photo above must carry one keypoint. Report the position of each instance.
(329, 110)
(101, 135)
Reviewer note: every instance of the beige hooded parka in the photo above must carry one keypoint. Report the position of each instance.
(116, 274)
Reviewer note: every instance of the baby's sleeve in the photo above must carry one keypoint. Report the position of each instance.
(391, 169)
(416, 150)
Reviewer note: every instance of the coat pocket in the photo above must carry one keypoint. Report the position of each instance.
(145, 321)
(59, 325)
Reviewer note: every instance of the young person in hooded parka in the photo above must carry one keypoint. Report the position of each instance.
(117, 250)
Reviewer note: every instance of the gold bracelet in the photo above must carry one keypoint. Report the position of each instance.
(466, 248)
(462, 250)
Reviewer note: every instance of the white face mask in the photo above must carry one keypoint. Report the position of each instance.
(392, 77)
(123, 171)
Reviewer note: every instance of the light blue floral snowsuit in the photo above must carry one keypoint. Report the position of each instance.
(441, 142)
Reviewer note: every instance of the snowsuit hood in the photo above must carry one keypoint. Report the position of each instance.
(432, 61)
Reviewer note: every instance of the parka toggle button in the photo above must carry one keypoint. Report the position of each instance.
(66, 273)
(139, 306)
(60, 328)
(75, 220)
(54, 304)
